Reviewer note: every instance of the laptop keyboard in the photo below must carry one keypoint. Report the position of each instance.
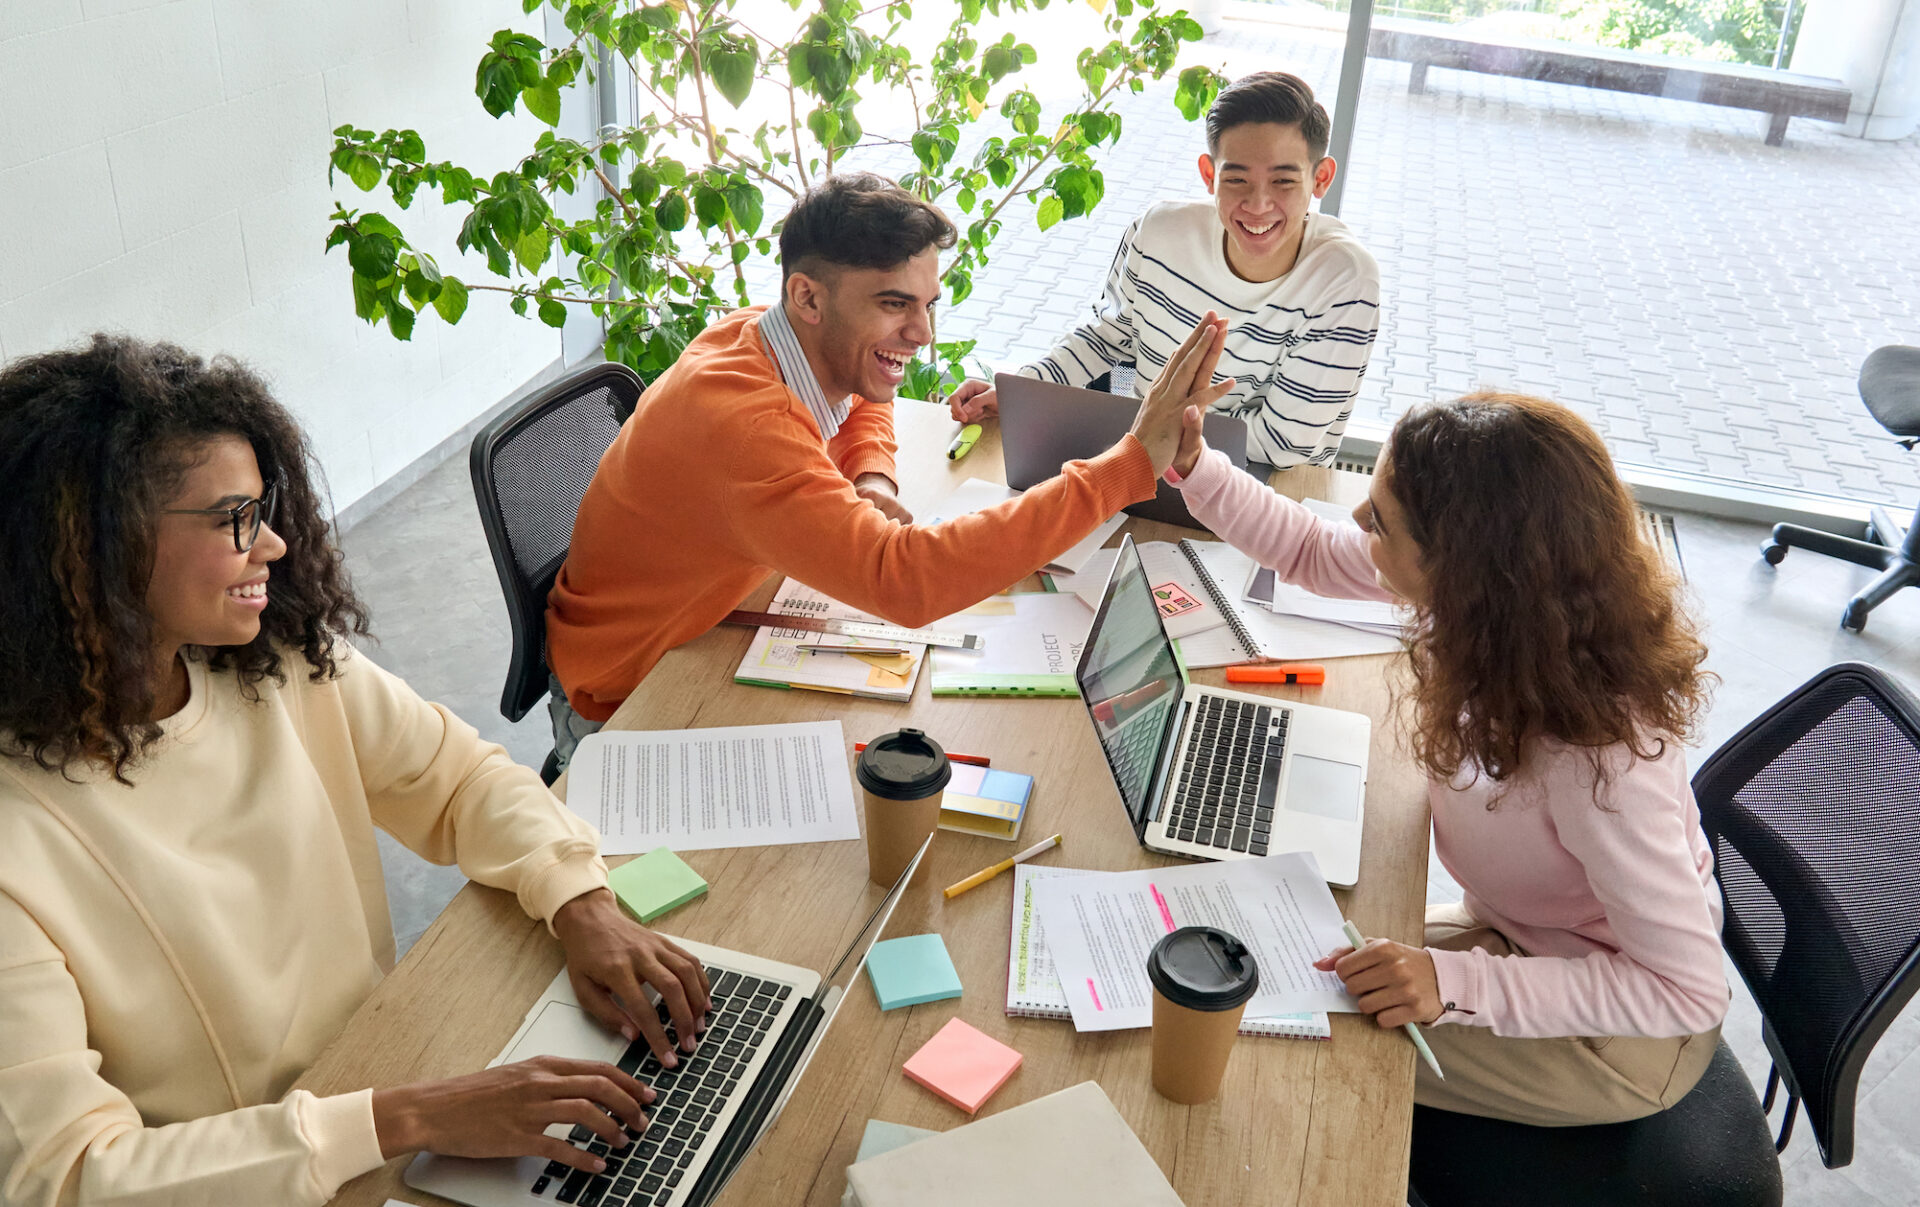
(1225, 795)
(647, 1168)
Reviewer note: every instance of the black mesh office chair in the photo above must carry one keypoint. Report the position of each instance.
(1814, 815)
(1890, 386)
(530, 468)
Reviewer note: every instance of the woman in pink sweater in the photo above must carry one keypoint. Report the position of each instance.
(1552, 677)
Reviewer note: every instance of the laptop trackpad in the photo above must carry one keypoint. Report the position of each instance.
(1324, 788)
(567, 1030)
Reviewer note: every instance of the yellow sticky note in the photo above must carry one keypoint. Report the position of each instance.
(899, 664)
(998, 605)
(878, 677)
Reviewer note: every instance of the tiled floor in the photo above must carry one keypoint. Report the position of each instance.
(422, 564)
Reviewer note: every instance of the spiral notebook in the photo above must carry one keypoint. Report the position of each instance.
(1251, 633)
(1033, 987)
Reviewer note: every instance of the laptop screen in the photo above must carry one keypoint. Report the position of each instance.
(1130, 682)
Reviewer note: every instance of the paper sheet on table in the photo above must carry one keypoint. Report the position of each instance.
(1100, 929)
(977, 494)
(697, 789)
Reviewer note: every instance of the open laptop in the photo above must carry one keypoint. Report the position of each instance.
(1213, 774)
(1044, 425)
(767, 1020)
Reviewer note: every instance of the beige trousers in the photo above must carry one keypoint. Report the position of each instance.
(1548, 1082)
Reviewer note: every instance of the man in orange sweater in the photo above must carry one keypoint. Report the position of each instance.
(768, 447)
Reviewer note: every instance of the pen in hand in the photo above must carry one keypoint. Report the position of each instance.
(1413, 1029)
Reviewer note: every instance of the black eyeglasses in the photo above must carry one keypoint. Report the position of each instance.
(247, 519)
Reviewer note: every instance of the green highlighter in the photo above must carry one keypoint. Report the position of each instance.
(655, 883)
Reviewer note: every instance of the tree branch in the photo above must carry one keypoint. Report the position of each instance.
(613, 190)
(521, 291)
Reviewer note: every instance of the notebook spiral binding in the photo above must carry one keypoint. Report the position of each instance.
(1227, 610)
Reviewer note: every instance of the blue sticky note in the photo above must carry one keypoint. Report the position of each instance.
(912, 970)
(1009, 786)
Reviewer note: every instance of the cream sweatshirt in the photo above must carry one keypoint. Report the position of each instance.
(1609, 890)
(173, 955)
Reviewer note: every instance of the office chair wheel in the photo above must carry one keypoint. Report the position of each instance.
(1854, 619)
(1773, 553)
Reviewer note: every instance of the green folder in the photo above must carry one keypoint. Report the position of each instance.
(655, 883)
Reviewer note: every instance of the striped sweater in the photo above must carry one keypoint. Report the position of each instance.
(1297, 346)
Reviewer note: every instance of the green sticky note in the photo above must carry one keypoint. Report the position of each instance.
(655, 883)
(912, 970)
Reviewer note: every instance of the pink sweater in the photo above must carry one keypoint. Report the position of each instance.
(1612, 898)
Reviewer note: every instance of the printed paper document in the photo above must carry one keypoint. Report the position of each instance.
(696, 789)
(1101, 927)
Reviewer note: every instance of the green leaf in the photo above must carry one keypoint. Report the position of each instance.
(1074, 186)
(543, 101)
(747, 204)
(671, 213)
(999, 61)
(366, 298)
(519, 304)
(553, 313)
(966, 201)
(709, 205)
(497, 83)
(364, 170)
(452, 300)
(420, 288)
(1001, 170)
(672, 172)
(533, 248)
(825, 125)
(408, 146)
(731, 69)
(400, 321)
(1052, 209)
(659, 16)
(372, 256)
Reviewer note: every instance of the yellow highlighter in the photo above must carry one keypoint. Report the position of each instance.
(963, 442)
(985, 874)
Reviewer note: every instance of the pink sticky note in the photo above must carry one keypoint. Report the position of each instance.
(962, 1065)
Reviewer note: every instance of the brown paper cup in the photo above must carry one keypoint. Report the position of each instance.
(895, 830)
(1190, 1049)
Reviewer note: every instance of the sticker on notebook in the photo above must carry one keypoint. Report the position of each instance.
(1172, 599)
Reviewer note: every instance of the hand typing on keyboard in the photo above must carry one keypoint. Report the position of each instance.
(611, 960)
(505, 1111)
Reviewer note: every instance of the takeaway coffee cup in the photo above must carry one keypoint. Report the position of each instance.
(903, 777)
(1202, 978)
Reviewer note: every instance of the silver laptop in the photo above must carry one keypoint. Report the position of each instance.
(1213, 774)
(767, 1020)
(1044, 425)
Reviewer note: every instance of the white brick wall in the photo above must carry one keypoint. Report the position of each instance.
(163, 171)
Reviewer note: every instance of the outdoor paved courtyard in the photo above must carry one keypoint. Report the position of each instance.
(1704, 299)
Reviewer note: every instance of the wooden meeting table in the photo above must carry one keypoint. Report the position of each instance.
(1296, 1122)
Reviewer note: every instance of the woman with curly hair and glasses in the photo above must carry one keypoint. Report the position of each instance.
(1553, 676)
(192, 765)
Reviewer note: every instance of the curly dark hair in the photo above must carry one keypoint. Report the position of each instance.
(1548, 613)
(93, 441)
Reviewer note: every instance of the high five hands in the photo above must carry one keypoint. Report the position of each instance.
(1182, 393)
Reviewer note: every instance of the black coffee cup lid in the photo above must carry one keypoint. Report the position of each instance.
(907, 765)
(1203, 968)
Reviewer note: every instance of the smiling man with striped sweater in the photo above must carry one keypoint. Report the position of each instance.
(1301, 296)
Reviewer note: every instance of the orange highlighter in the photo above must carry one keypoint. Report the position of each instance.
(1285, 672)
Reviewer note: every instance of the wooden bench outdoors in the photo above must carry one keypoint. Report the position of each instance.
(1780, 94)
